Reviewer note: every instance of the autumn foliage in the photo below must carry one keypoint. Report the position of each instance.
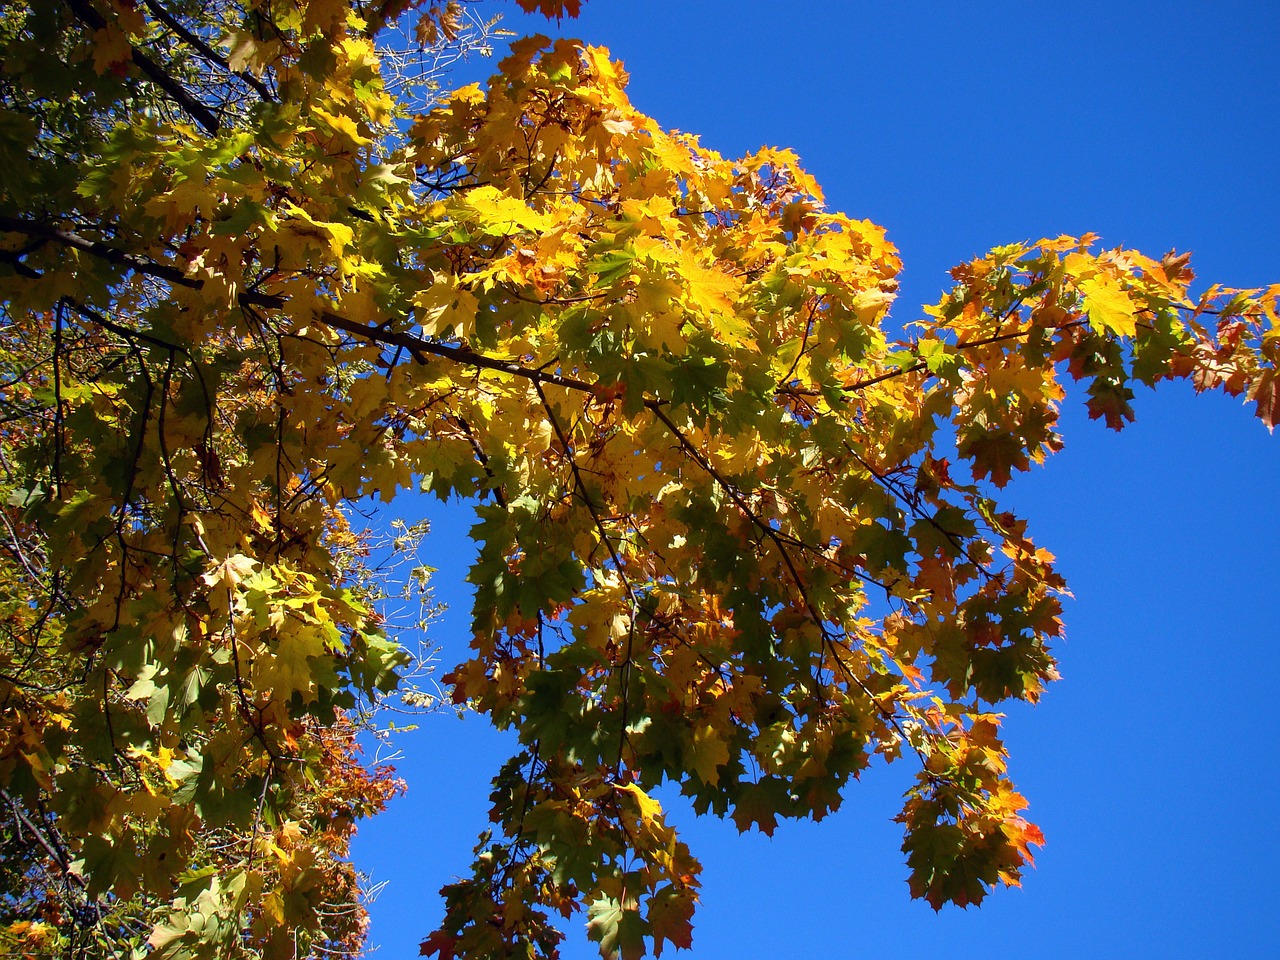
(732, 533)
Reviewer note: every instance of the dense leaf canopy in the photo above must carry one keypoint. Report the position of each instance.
(733, 533)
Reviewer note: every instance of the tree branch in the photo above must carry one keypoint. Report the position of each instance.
(176, 91)
(47, 231)
(206, 51)
(418, 346)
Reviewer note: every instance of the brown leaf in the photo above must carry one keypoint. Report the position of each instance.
(1266, 394)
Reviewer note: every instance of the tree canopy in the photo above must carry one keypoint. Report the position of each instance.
(735, 531)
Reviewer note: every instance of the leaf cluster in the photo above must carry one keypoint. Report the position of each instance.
(732, 534)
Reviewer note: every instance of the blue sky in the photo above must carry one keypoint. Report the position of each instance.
(1153, 765)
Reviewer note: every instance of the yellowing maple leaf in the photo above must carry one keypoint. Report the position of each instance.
(1109, 306)
(502, 212)
(343, 126)
(649, 809)
(288, 668)
(230, 571)
(706, 754)
(443, 307)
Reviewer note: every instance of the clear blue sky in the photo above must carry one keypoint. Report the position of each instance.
(1153, 766)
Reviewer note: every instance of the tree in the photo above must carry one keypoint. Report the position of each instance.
(733, 534)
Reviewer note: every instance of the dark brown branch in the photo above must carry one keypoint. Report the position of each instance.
(775, 537)
(94, 316)
(984, 342)
(48, 842)
(200, 113)
(584, 298)
(206, 51)
(418, 347)
(97, 248)
(624, 668)
(483, 459)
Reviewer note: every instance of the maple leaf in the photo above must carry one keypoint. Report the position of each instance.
(1109, 306)
(1175, 267)
(707, 752)
(231, 571)
(552, 8)
(617, 927)
(994, 455)
(289, 669)
(671, 918)
(759, 803)
(1266, 395)
(649, 809)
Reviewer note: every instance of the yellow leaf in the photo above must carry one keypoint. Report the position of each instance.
(230, 571)
(502, 212)
(111, 49)
(343, 126)
(1108, 306)
(650, 809)
(706, 754)
(443, 308)
(289, 670)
